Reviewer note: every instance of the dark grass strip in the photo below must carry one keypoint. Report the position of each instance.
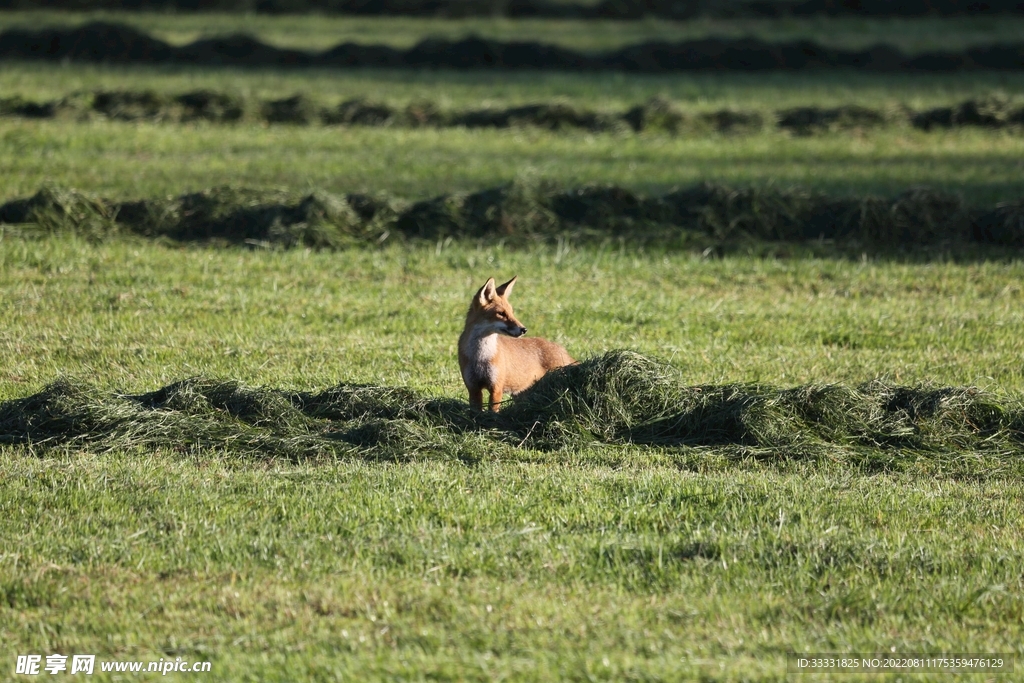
(657, 114)
(558, 9)
(703, 217)
(618, 398)
(116, 43)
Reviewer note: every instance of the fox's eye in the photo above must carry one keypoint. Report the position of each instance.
(501, 316)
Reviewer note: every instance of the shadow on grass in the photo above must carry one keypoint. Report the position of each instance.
(111, 43)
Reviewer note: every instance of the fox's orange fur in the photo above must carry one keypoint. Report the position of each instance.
(493, 353)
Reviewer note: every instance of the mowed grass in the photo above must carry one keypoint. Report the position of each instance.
(148, 160)
(132, 315)
(603, 563)
(614, 562)
(764, 92)
(511, 571)
(313, 32)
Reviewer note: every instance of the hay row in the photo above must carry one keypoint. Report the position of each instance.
(702, 216)
(617, 398)
(559, 9)
(657, 114)
(115, 43)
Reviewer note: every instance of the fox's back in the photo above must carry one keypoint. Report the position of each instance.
(524, 360)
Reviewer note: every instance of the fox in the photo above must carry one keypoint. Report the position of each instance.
(494, 355)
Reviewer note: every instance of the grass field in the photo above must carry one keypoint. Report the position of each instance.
(558, 571)
(605, 563)
(146, 160)
(490, 560)
(154, 159)
(132, 315)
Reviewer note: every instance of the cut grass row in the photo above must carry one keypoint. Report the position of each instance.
(655, 115)
(313, 32)
(614, 400)
(464, 90)
(705, 218)
(103, 42)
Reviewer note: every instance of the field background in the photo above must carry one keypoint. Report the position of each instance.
(611, 562)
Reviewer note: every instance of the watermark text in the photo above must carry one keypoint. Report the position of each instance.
(35, 665)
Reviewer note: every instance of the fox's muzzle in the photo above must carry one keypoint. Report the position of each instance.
(517, 332)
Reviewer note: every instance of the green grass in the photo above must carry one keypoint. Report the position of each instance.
(148, 160)
(317, 32)
(489, 561)
(601, 562)
(560, 571)
(132, 315)
(139, 160)
(590, 563)
(452, 89)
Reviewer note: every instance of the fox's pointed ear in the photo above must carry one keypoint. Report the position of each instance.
(506, 289)
(487, 292)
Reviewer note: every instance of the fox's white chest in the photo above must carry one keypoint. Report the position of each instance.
(480, 350)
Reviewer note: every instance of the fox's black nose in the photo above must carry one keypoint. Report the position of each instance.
(522, 330)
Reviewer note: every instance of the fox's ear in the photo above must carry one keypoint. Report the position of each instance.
(506, 289)
(487, 292)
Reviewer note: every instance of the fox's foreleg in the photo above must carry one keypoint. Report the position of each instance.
(495, 403)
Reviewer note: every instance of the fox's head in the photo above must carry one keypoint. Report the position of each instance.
(491, 310)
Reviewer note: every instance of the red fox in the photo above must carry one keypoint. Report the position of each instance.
(493, 354)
